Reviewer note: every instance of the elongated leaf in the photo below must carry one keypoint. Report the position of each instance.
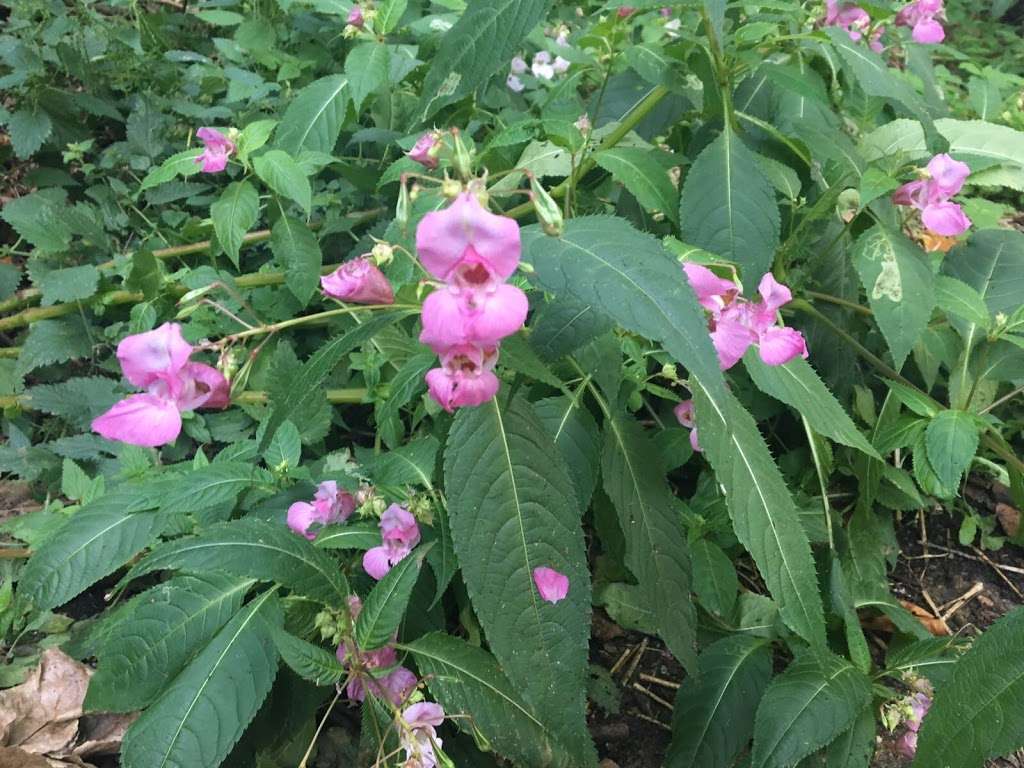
(233, 215)
(577, 437)
(99, 539)
(212, 485)
(798, 386)
(714, 713)
(952, 440)
(148, 649)
(284, 175)
(817, 698)
(352, 536)
(855, 747)
(728, 207)
(872, 74)
(366, 68)
(650, 519)
(385, 606)
(763, 514)
(200, 717)
(644, 176)
(314, 118)
(254, 549)
(389, 13)
(956, 298)
(181, 164)
(297, 250)
(714, 577)
(465, 678)
(513, 509)
(482, 41)
(900, 287)
(977, 714)
(308, 661)
(563, 326)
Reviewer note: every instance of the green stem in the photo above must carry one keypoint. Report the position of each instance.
(317, 317)
(851, 305)
(252, 397)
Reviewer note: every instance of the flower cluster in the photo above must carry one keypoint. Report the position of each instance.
(399, 534)
(931, 196)
(358, 281)
(365, 668)
(917, 707)
(158, 361)
(854, 20)
(737, 323)
(417, 734)
(543, 67)
(329, 505)
(552, 585)
(921, 16)
(217, 148)
(474, 252)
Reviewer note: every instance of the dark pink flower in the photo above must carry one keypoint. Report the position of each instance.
(465, 379)
(713, 292)
(465, 232)
(217, 149)
(922, 16)
(329, 505)
(426, 149)
(552, 585)
(474, 308)
(358, 281)
(394, 685)
(931, 196)
(355, 17)
(399, 534)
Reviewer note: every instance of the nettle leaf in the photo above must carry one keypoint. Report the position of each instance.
(797, 385)
(728, 207)
(465, 678)
(805, 708)
(308, 661)
(384, 608)
(203, 714)
(576, 434)
(855, 747)
(285, 176)
(314, 118)
(66, 285)
(95, 542)
(502, 467)
(651, 520)
(54, 341)
(366, 67)
(763, 513)
(952, 440)
(28, 131)
(714, 711)
(40, 218)
(180, 164)
(78, 400)
(234, 214)
(166, 626)
(977, 715)
(900, 287)
(644, 176)
(252, 549)
(297, 250)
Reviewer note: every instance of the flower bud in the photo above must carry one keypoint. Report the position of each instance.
(548, 212)
(463, 160)
(670, 372)
(382, 254)
(451, 188)
(404, 203)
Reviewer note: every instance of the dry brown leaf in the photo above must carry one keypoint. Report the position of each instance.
(12, 757)
(936, 626)
(1009, 518)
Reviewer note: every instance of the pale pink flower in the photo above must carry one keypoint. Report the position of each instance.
(419, 736)
(931, 196)
(666, 13)
(426, 149)
(713, 292)
(399, 534)
(851, 18)
(583, 124)
(684, 415)
(560, 65)
(515, 84)
(355, 17)
(541, 66)
(552, 585)
(918, 705)
(329, 505)
(358, 281)
(518, 65)
(465, 379)
(217, 149)
(922, 16)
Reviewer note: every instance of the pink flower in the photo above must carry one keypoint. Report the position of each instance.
(541, 66)
(400, 533)
(948, 174)
(626, 11)
(395, 686)
(358, 281)
(158, 361)
(560, 65)
(426, 149)
(930, 196)
(713, 292)
(552, 585)
(666, 13)
(906, 744)
(921, 15)
(583, 124)
(684, 415)
(355, 17)
(918, 705)
(472, 313)
(329, 505)
(466, 233)
(465, 379)
(514, 84)
(419, 737)
(518, 65)
(847, 16)
(217, 149)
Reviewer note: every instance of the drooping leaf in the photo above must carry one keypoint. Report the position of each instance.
(855, 747)
(314, 118)
(513, 509)
(308, 661)
(644, 176)
(952, 440)
(297, 250)
(234, 213)
(714, 577)
(284, 175)
(385, 606)
(713, 718)
(180, 164)
(366, 68)
(577, 437)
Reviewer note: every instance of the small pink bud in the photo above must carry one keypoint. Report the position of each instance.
(360, 282)
(217, 149)
(552, 585)
(426, 150)
(355, 17)
(626, 11)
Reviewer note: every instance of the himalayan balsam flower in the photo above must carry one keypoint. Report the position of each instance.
(515, 84)
(541, 66)
(560, 65)
(395, 686)
(518, 66)
(355, 17)
(854, 20)
(931, 196)
(358, 281)
(552, 585)
(399, 534)
(626, 11)
(217, 149)
(426, 149)
(918, 706)
(921, 16)
(417, 734)
(684, 415)
(158, 361)
(465, 379)
(329, 505)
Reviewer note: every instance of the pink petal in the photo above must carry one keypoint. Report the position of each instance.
(375, 562)
(203, 387)
(158, 354)
(684, 413)
(928, 32)
(423, 714)
(774, 294)
(713, 292)
(947, 219)
(780, 345)
(948, 174)
(396, 685)
(441, 385)
(906, 744)
(397, 524)
(145, 420)
(501, 314)
(552, 585)
(514, 84)
(910, 194)
(731, 340)
(358, 281)
(423, 151)
(694, 443)
(518, 65)
(442, 238)
(301, 516)
(445, 321)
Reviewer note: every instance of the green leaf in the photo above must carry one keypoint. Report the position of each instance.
(180, 164)
(298, 251)
(855, 747)
(407, 383)
(66, 285)
(78, 400)
(410, 464)
(389, 13)
(28, 131)
(254, 136)
(95, 542)
(798, 386)
(952, 441)
(484, 39)
(575, 433)
(763, 513)
(40, 218)
(728, 207)
(168, 624)
(872, 74)
(513, 509)
(253, 549)
(146, 274)
(203, 714)
(956, 298)
(281, 173)
(562, 326)
(366, 68)
(314, 118)
(54, 341)
(644, 176)
(977, 715)
(627, 607)
(900, 287)
(384, 608)
(465, 678)
(714, 577)
(650, 518)
(714, 710)
(308, 661)
(211, 486)
(817, 698)
(234, 214)
(361, 536)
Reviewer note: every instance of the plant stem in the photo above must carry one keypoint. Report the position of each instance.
(252, 397)
(316, 318)
(852, 305)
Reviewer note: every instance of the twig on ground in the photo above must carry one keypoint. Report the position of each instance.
(652, 720)
(636, 662)
(652, 679)
(955, 605)
(995, 567)
(653, 696)
(622, 660)
(936, 613)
